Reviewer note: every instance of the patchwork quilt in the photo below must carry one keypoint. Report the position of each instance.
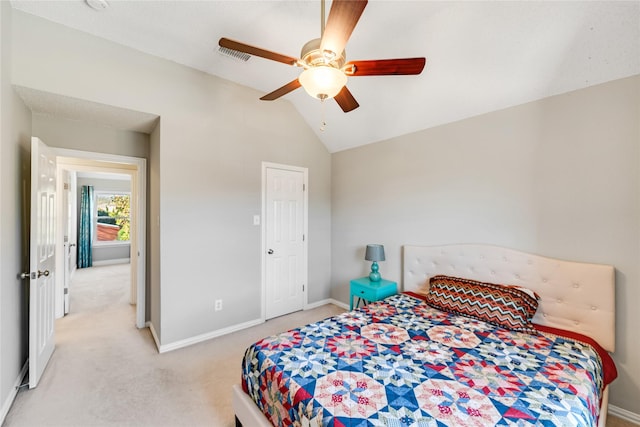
(399, 362)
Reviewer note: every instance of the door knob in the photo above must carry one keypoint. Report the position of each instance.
(33, 275)
(270, 251)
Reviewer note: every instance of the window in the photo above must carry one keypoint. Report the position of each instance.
(113, 217)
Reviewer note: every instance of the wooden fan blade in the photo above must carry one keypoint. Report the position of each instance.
(256, 51)
(346, 101)
(385, 67)
(291, 86)
(343, 17)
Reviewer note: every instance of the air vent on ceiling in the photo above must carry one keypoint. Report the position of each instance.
(235, 54)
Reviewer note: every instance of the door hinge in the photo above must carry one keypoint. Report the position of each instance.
(66, 291)
(302, 288)
(304, 187)
(303, 237)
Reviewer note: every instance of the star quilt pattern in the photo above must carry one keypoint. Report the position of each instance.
(400, 363)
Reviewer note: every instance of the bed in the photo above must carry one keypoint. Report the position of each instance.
(359, 368)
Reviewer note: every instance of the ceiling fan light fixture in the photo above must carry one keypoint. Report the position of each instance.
(322, 81)
(324, 59)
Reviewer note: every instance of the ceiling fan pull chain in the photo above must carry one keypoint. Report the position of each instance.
(323, 123)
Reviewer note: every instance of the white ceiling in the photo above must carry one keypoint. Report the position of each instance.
(481, 55)
(82, 110)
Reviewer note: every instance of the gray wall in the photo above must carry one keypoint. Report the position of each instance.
(153, 232)
(15, 142)
(94, 137)
(557, 177)
(212, 137)
(78, 135)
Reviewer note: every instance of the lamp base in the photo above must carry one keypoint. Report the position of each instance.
(374, 276)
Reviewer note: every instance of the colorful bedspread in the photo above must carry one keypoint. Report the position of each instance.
(399, 362)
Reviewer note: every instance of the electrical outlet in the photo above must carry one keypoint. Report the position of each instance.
(218, 305)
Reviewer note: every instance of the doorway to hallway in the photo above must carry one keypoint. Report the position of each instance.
(96, 291)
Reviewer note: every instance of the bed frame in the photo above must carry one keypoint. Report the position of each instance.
(575, 296)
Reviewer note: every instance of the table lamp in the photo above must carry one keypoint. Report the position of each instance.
(374, 253)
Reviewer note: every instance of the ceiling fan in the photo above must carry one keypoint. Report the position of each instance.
(324, 60)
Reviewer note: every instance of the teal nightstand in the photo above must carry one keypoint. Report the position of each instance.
(365, 289)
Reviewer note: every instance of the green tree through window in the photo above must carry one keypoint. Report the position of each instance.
(113, 217)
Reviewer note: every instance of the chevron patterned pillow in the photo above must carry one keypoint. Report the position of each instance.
(505, 306)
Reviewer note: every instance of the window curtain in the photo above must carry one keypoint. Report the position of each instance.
(85, 232)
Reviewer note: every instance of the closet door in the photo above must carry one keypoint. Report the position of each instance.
(285, 257)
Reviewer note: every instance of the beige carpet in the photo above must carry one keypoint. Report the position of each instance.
(105, 372)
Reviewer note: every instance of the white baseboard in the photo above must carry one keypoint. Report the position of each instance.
(111, 262)
(624, 414)
(325, 302)
(317, 304)
(6, 405)
(339, 303)
(220, 332)
(204, 337)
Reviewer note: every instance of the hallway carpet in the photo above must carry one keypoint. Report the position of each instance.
(106, 372)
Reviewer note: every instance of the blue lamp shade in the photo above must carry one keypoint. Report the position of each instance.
(374, 253)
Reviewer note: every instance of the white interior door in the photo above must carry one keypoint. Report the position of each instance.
(42, 259)
(285, 246)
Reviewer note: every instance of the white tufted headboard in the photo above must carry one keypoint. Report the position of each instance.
(575, 296)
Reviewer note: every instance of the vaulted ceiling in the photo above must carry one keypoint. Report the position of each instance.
(481, 55)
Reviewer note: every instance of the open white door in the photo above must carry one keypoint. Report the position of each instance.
(42, 259)
(285, 223)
